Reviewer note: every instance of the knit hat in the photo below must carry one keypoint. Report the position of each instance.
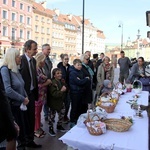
(106, 82)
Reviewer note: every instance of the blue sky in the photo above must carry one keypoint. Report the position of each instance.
(106, 15)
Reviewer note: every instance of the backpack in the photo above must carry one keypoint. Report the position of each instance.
(1, 79)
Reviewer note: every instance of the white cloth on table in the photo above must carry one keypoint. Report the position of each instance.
(134, 139)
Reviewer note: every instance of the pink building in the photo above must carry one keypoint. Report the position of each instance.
(15, 25)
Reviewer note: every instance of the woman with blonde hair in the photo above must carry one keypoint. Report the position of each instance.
(14, 89)
(43, 82)
(105, 72)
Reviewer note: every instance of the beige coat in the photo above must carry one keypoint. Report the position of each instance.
(101, 76)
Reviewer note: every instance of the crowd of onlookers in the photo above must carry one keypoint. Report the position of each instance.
(29, 84)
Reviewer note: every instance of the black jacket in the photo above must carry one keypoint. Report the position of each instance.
(65, 72)
(87, 96)
(7, 128)
(24, 70)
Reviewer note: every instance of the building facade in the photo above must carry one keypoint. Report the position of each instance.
(16, 19)
(41, 24)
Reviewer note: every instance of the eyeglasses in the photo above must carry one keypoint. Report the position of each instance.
(66, 59)
(87, 59)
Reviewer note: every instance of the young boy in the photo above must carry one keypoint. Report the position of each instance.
(77, 81)
(56, 96)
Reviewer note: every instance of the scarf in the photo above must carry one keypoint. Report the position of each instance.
(89, 69)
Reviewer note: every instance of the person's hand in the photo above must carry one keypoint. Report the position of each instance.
(17, 128)
(78, 78)
(44, 77)
(63, 89)
(87, 77)
(142, 75)
(48, 82)
(26, 101)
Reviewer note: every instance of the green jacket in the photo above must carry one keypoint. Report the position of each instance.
(55, 96)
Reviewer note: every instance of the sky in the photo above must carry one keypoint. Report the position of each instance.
(106, 15)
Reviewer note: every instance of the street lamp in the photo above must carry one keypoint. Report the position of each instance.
(83, 28)
(121, 26)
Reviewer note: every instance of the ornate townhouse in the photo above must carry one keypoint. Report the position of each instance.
(16, 19)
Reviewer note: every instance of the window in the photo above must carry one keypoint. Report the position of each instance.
(13, 17)
(42, 19)
(21, 33)
(13, 3)
(28, 8)
(21, 19)
(4, 1)
(21, 6)
(28, 20)
(47, 40)
(42, 29)
(4, 31)
(48, 20)
(13, 33)
(36, 17)
(48, 31)
(42, 41)
(36, 28)
(28, 35)
(4, 14)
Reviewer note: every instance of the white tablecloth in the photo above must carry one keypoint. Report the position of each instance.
(134, 139)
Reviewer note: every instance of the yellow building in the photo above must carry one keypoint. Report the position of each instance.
(41, 24)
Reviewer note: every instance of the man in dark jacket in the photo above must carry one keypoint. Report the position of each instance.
(28, 72)
(46, 49)
(100, 60)
(90, 63)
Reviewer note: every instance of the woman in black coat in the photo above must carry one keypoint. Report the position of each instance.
(88, 72)
(64, 66)
(8, 128)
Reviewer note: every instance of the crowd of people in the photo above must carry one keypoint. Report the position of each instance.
(30, 84)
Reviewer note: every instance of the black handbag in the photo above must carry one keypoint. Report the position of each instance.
(145, 81)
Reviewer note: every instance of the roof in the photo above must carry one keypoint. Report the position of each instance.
(100, 34)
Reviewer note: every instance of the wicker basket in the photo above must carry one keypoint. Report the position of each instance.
(89, 126)
(118, 125)
(108, 109)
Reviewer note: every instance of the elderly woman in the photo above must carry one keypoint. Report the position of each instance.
(87, 71)
(14, 88)
(137, 70)
(105, 72)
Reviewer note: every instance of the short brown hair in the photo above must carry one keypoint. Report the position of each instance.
(76, 61)
(54, 71)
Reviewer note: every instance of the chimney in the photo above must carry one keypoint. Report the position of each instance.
(70, 16)
(57, 11)
(43, 3)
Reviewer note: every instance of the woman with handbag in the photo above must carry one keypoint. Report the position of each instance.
(14, 89)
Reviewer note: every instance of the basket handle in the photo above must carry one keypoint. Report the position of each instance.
(105, 93)
(95, 115)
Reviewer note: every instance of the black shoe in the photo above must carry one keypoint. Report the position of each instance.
(61, 128)
(33, 145)
(51, 131)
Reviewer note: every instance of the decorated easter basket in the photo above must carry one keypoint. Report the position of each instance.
(107, 102)
(95, 127)
(117, 125)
